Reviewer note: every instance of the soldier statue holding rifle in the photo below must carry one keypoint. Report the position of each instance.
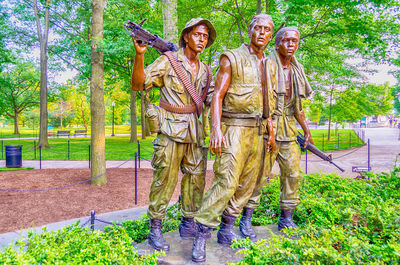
(183, 81)
(292, 87)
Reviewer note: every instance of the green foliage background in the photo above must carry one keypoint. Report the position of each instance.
(333, 32)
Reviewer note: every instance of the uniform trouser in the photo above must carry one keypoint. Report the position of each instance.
(287, 155)
(168, 156)
(235, 175)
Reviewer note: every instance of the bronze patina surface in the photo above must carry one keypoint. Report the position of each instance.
(240, 112)
(292, 87)
(180, 135)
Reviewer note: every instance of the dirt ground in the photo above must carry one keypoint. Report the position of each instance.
(20, 210)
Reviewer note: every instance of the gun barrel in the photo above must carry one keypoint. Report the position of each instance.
(313, 149)
(333, 163)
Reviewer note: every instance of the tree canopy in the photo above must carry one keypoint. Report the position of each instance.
(332, 33)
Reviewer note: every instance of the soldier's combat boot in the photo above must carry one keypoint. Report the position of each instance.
(245, 224)
(199, 243)
(286, 220)
(226, 233)
(156, 239)
(187, 228)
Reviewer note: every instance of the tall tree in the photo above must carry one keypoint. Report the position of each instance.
(42, 28)
(97, 96)
(19, 90)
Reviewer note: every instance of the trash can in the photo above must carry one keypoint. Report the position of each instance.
(13, 156)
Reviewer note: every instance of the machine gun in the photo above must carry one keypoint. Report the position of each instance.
(142, 35)
(313, 149)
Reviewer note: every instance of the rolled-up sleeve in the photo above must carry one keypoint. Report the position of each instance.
(155, 73)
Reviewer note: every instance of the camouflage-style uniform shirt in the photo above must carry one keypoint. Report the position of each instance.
(183, 128)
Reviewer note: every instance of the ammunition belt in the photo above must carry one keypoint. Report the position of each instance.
(187, 83)
(177, 109)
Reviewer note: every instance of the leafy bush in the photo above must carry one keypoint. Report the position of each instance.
(341, 221)
(76, 245)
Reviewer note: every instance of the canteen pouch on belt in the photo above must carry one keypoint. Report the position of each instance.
(153, 118)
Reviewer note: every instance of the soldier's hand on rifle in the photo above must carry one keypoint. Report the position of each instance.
(217, 139)
(308, 139)
(140, 47)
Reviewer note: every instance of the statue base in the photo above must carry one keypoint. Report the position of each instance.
(180, 252)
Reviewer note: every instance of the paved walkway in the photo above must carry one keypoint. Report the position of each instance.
(384, 149)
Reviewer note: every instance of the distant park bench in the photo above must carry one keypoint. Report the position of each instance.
(313, 124)
(63, 133)
(80, 132)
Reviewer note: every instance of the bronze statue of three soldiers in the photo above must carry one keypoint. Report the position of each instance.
(254, 108)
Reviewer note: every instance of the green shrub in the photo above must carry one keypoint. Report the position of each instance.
(76, 245)
(341, 221)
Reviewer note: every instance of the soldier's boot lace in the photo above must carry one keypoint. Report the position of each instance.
(156, 239)
(199, 243)
(187, 228)
(226, 233)
(245, 226)
(286, 220)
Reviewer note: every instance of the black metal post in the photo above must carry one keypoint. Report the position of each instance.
(34, 148)
(68, 149)
(139, 151)
(338, 144)
(2, 147)
(135, 178)
(89, 155)
(40, 157)
(323, 142)
(113, 121)
(92, 218)
(369, 161)
(306, 161)
(350, 139)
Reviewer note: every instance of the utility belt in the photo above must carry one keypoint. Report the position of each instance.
(246, 121)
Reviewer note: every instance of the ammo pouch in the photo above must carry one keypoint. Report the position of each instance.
(153, 118)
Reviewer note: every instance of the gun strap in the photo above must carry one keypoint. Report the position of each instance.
(187, 83)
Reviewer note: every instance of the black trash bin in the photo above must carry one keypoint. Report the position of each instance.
(13, 156)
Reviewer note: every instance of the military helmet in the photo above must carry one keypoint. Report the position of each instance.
(212, 33)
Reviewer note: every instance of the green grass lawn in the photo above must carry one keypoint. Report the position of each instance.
(340, 139)
(15, 169)
(119, 148)
(7, 132)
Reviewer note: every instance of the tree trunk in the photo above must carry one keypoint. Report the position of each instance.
(97, 108)
(142, 116)
(170, 17)
(258, 7)
(43, 39)
(61, 121)
(16, 120)
(330, 115)
(133, 118)
(83, 116)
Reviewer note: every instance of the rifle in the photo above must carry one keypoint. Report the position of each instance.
(142, 35)
(313, 149)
